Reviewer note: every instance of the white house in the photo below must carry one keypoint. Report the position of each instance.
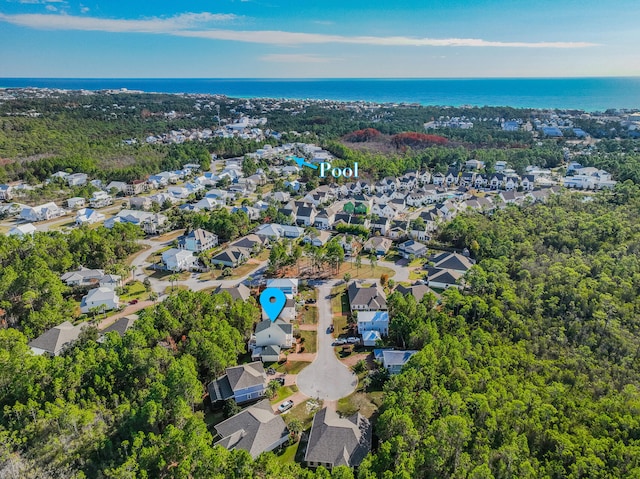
(373, 321)
(87, 216)
(100, 199)
(103, 298)
(288, 286)
(76, 202)
(198, 240)
(43, 212)
(22, 230)
(392, 360)
(270, 338)
(176, 259)
(6, 192)
(77, 179)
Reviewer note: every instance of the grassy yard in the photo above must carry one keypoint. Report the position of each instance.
(339, 325)
(168, 236)
(290, 367)
(288, 454)
(309, 316)
(135, 290)
(283, 393)
(416, 274)
(365, 271)
(309, 340)
(171, 289)
(308, 294)
(364, 403)
(304, 412)
(339, 301)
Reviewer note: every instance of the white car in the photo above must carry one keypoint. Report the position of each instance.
(339, 342)
(353, 340)
(285, 406)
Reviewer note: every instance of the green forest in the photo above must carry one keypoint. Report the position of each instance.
(533, 371)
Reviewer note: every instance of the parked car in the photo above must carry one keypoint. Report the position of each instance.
(281, 381)
(353, 340)
(133, 301)
(285, 406)
(339, 342)
(271, 371)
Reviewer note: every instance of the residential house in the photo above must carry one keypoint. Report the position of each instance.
(528, 182)
(497, 181)
(43, 212)
(480, 181)
(418, 291)
(514, 197)
(239, 291)
(467, 178)
(176, 259)
(102, 298)
(377, 321)
(135, 188)
(274, 231)
(6, 192)
(443, 278)
(198, 240)
(289, 286)
(76, 179)
(269, 339)
(140, 203)
(251, 244)
(54, 341)
(511, 183)
(87, 216)
(243, 383)
(369, 298)
(22, 230)
(453, 261)
(306, 215)
(452, 177)
(121, 326)
(393, 360)
(255, 429)
(412, 248)
(208, 203)
(75, 202)
(349, 244)
(319, 239)
(377, 245)
(438, 179)
(381, 224)
(231, 257)
(83, 277)
(384, 210)
(151, 223)
(338, 441)
(100, 199)
(116, 187)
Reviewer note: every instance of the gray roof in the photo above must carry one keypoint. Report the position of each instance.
(122, 325)
(246, 375)
(237, 292)
(446, 276)
(338, 441)
(267, 323)
(54, 340)
(396, 358)
(417, 290)
(454, 261)
(371, 297)
(256, 429)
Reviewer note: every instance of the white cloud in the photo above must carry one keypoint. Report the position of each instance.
(84, 9)
(40, 2)
(296, 58)
(192, 24)
(51, 8)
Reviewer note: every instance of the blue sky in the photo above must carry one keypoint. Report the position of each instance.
(311, 39)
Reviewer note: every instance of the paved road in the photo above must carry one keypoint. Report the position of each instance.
(326, 378)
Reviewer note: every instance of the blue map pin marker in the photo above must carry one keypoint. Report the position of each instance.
(272, 301)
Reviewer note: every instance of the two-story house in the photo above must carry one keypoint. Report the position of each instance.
(243, 383)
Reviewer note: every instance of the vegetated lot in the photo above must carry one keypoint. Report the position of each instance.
(309, 315)
(135, 290)
(309, 340)
(364, 403)
(283, 393)
(290, 367)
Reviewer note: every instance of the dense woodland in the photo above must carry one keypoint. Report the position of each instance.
(532, 371)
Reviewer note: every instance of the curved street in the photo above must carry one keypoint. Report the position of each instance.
(326, 377)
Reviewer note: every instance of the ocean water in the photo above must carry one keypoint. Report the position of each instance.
(589, 94)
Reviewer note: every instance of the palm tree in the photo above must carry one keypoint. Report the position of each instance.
(174, 279)
(358, 263)
(295, 427)
(374, 262)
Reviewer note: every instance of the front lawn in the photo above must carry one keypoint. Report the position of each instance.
(309, 315)
(304, 412)
(290, 367)
(283, 393)
(309, 340)
(288, 454)
(135, 290)
(364, 403)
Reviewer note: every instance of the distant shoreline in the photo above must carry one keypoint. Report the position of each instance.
(587, 94)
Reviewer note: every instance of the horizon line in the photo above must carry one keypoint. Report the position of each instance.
(327, 78)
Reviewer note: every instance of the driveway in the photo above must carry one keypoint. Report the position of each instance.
(326, 378)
